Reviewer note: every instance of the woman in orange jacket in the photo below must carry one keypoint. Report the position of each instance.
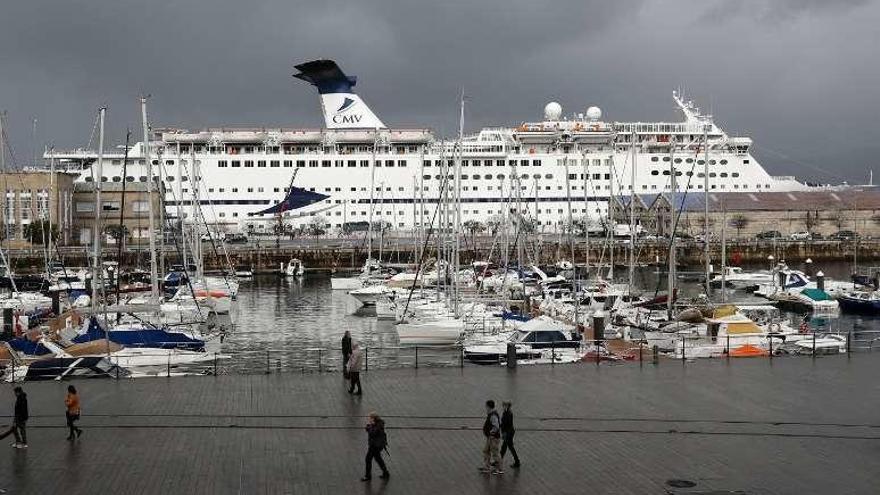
(72, 413)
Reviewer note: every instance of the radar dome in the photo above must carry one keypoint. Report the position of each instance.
(594, 113)
(552, 111)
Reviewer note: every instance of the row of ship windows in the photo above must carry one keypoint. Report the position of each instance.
(311, 163)
(691, 160)
(699, 174)
(426, 163)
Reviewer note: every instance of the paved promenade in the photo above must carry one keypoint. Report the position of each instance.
(793, 425)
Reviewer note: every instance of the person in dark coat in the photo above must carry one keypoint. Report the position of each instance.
(377, 440)
(19, 423)
(346, 352)
(507, 431)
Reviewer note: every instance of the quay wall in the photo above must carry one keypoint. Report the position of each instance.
(331, 254)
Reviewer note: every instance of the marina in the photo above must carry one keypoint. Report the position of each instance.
(263, 247)
(743, 426)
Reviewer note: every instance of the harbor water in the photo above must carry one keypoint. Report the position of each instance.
(296, 325)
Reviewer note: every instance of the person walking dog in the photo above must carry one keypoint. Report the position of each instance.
(377, 441)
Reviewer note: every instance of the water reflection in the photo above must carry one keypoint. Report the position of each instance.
(286, 324)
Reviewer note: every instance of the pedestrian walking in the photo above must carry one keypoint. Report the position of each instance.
(71, 401)
(19, 422)
(355, 363)
(377, 441)
(492, 432)
(507, 431)
(346, 352)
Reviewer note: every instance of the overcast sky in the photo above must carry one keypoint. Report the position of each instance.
(801, 77)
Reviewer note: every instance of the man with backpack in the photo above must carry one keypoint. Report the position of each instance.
(492, 432)
(377, 441)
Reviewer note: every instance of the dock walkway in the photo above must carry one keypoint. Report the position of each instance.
(795, 425)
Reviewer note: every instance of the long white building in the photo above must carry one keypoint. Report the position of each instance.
(367, 170)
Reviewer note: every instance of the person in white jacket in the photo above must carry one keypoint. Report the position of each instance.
(355, 363)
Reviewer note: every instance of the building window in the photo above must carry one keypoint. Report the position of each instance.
(275, 163)
(110, 206)
(249, 164)
(140, 206)
(221, 163)
(261, 163)
(81, 207)
(236, 164)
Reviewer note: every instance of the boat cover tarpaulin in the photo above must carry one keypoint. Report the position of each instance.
(297, 197)
(543, 323)
(141, 337)
(816, 294)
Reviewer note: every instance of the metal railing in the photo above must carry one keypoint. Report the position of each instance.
(330, 360)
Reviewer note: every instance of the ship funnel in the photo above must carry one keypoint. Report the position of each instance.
(342, 108)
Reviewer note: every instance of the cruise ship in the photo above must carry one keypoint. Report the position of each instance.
(355, 169)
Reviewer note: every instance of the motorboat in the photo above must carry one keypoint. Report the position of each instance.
(294, 268)
(736, 277)
(369, 295)
(862, 302)
(446, 331)
(529, 344)
(244, 272)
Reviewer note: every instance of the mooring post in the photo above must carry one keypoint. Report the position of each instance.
(655, 354)
(417, 357)
(814, 345)
(215, 364)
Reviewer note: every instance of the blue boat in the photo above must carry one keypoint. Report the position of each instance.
(141, 336)
(860, 302)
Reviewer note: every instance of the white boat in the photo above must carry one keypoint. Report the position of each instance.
(735, 276)
(295, 268)
(369, 295)
(244, 272)
(440, 332)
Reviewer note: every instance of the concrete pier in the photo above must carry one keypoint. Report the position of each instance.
(745, 426)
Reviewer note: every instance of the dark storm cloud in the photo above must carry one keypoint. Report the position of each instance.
(799, 77)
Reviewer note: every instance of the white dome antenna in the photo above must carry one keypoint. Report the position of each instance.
(594, 113)
(552, 111)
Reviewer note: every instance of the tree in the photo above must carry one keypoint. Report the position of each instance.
(739, 222)
(811, 221)
(38, 232)
(317, 226)
(494, 224)
(473, 227)
(838, 218)
(119, 233)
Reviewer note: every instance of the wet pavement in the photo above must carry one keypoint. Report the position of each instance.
(790, 425)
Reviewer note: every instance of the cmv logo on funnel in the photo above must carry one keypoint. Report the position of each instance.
(340, 117)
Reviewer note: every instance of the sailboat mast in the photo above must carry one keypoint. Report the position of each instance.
(632, 214)
(180, 206)
(706, 204)
(154, 276)
(372, 194)
(96, 241)
(457, 259)
(575, 291)
(670, 282)
(611, 230)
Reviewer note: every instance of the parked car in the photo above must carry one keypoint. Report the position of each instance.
(235, 239)
(769, 235)
(815, 236)
(801, 236)
(843, 235)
